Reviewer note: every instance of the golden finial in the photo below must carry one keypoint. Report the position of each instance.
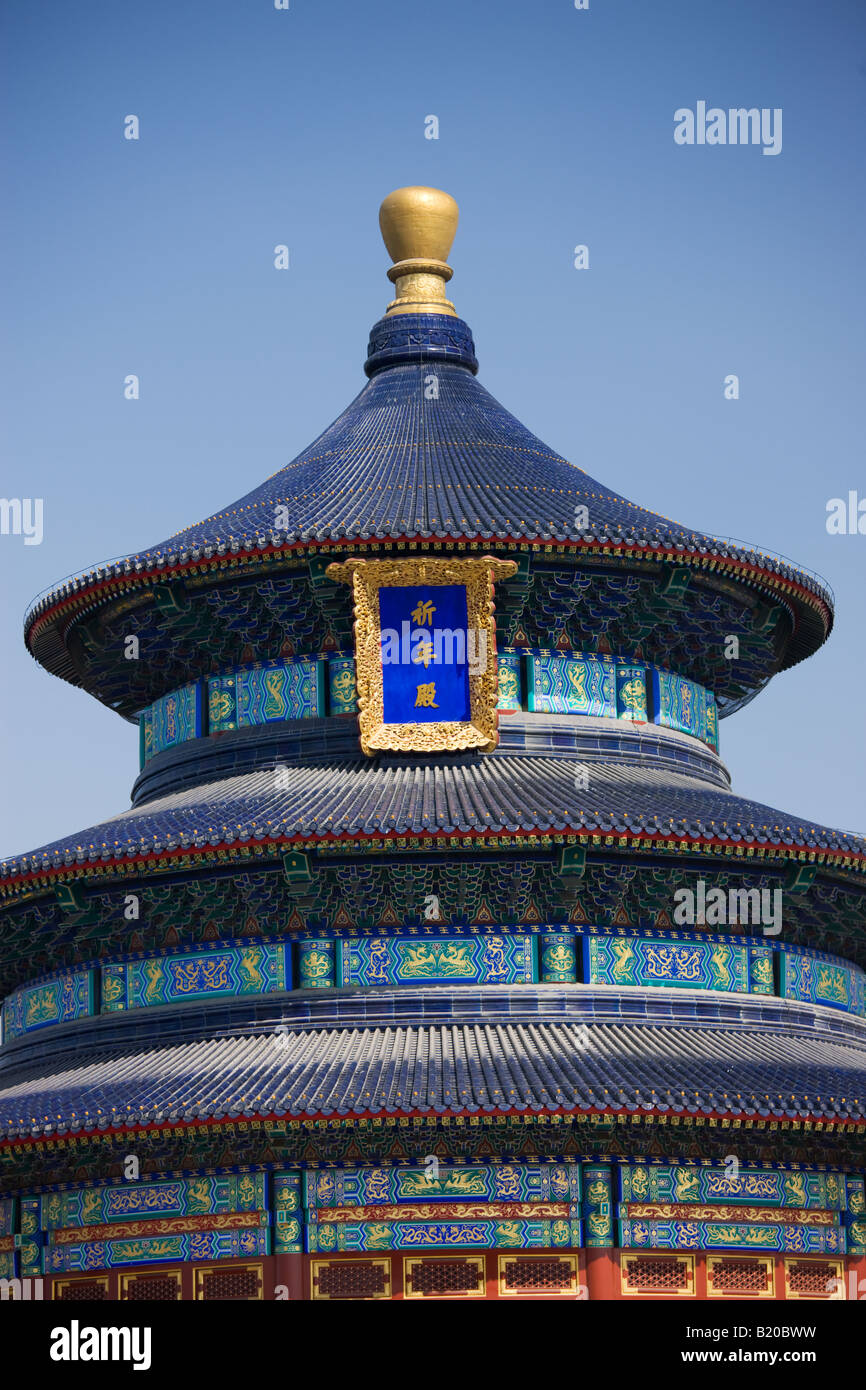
(418, 226)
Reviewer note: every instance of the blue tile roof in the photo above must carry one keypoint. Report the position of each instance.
(397, 464)
(461, 795)
(400, 464)
(675, 1068)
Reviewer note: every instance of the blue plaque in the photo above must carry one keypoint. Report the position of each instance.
(426, 651)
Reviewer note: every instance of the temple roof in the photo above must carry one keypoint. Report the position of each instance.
(425, 456)
(498, 795)
(675, 1066)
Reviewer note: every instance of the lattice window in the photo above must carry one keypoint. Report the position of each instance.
(814, 1279)
(743, 1277)
(164, 1287)
(351, 1278)
(444, 1278)
(81, 1290)
(237, 1284)
(658, 1274)
(537, 1275)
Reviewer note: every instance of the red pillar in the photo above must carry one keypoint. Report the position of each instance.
(289, 1273)
(855, 1277)
(602, 1273)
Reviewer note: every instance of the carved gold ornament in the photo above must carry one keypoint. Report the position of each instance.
(477, 576)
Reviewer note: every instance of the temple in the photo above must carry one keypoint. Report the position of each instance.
(436, 956)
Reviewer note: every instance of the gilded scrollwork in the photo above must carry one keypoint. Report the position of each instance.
(367, 577)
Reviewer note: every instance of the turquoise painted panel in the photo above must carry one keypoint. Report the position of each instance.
(510, 680)
(30, 1251)
(558, 959)
(856, 1196)
(329, 1237)
(506, 1182)
(222, 703)
(7, 1215)
(726, 1235)
(598, 1206)
(288, 1212)
(855, 1216)
(60, 1000)
(171, 720)
(252, 968)
(631, 701)
(751, 1186)
(265, 693)
(342, 692)
(197, 1196)
(161, 1249)
(761, 978)
(316, 964)
(818, 979)
(647, 961)
(393, 960)
(681, 704)
(559, 683)
(280, 690)
(856, 1233)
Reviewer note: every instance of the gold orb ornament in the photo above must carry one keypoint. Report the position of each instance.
(418, 226)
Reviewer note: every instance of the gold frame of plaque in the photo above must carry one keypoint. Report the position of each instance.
(477, 575)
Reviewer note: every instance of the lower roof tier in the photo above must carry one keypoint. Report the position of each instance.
(485, 798)
(611, 1053)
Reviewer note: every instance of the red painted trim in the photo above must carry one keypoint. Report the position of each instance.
(637, 839)
(354, 1116)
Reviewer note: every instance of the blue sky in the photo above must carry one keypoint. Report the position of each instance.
(260, 127)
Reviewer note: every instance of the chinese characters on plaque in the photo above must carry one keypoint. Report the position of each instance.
(424, 642)
(425, 651)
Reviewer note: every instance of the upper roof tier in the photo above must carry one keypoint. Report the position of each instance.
(424, 455)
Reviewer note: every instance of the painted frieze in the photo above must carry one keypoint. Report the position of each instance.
(561, 683)
(266, 692)
(507, 1182)
(288, 1213)
(160, 1249)
(58, 1000)
(718, 1235)
(755, 1186)
(171, 720)
(394, 960)
(682, 704)
(558, 958)
(255, 967)
(598, 1205)
(193, 1196)
(817, 979)
(685, 964)
(328, 1237)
